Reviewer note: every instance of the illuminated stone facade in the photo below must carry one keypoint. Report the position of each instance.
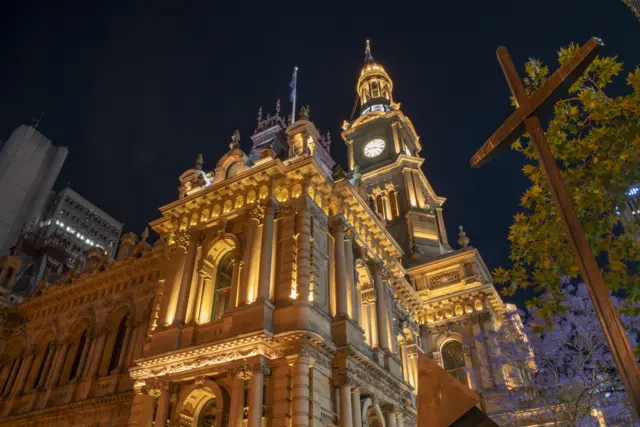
(284, 291)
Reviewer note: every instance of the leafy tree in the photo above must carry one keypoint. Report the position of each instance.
(563, 375)
(595, 138)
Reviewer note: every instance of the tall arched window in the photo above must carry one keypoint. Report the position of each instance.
(78, 356)
(222, 288)
(453, 360)
(118, 344)
(208, 414)
(393, 201)
(379, 204)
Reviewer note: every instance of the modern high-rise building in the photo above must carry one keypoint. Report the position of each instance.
(29, 166)
(79, 224)
(630, 212)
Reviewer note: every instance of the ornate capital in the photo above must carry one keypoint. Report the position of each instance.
(348, 233)
(386, 273)
(257, 212)
(182, 240)
(285, 210)
(200, 381)
(345, 378)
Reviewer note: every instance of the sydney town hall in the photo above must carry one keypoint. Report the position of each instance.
(283, 291)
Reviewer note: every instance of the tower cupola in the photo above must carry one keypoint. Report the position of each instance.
(375, 87)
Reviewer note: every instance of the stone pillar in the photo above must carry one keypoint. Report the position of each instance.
(366, 323)
(381, 315)
(162, 413)
(399, 419)
(47, 368)
(236, 407)
(246, 288)
(21, 379)
(97, 356)
(235, 277)
(390, 416)
(256, 385)
(198, 300)
(174, 282)
(300, 392)
(281, 401)
(356, 411)
(303, 227)
(206, 300)
(187, 276)
(264, 281)
(87, 365)
(352, 292)
(373, 319)
(340, 268)
(11, 377)
(405, 362)
(125, 348)
(346, 417)
(142, 407)
(387, 207)
(133, 343)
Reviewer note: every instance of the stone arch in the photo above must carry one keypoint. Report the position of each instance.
(119, 321)
(443, 339)
(194, 398)
(365, 278)
(372, 414)
(214, 250)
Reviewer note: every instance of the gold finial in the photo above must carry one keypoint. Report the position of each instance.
(304, 113)
(367, 52)
(199, 162)
(234, 140)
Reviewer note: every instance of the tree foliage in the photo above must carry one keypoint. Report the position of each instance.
(559, 375)
(595, 138)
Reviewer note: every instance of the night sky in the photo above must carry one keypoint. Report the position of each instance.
(136, 92)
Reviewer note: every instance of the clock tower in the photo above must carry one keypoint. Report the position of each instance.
(384, 149)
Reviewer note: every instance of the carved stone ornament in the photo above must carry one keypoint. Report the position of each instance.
(285, 210)
(445, 278)
(182, 240)
(348, 233)
(257, 212)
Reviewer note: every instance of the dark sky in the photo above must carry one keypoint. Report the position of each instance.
(137, 91)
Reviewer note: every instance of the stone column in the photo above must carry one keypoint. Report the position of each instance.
(264, 281)
(300, 392)
(246, 288)
(125, 348)
(381, 315)
(405, 363)
(187, 276)
(235, 284)
(61, 356)
(303, 227)
(198, 300)
(47, 368)
(162, 413)
(352, 292)
(236, 407)
(87, 365)
(366, 323)
(340, 268)
(97, 356)
(387, 207)
(21, 379)
(15, 367)
(172, 286)
(346, 418)
(133, 343)
(399, 419)
(356, 412)
(141, 414)
(256, 385)
(373, 319)
(390, 416)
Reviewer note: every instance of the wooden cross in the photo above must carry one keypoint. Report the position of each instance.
(525, 119)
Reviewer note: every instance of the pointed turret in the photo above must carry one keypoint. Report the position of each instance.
(375, 88)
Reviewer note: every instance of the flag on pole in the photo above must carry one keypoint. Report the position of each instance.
(292, 85)
(292, 95)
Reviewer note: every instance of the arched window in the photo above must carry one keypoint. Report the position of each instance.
(118, 344)
(393, 201)
(222, 288)
(78, 356)
(375, 89)
(208, 414)
(453, 360)
(379, 204)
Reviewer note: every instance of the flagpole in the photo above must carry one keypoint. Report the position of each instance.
(295, 93)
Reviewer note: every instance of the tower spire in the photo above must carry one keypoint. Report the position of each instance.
(367, 52)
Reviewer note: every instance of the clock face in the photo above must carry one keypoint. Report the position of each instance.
(374, 147)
